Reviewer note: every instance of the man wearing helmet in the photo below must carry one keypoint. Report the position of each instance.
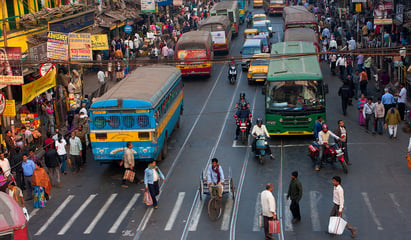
(243, 113)
(242, 100)
(258, 130)
(323, 140)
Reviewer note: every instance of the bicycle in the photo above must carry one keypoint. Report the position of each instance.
(214, 204)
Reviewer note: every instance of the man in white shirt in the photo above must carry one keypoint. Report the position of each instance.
(352, 44)
(341, 64)
(258, 130)
(338, 200)
(323, 141)
(369, 115)
(402, 98)
(268, 208)
(164, 51)
(4, 165)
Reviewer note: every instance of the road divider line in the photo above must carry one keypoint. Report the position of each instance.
(371, 210)
(225, 223)
(100, 213)
(315, 197)
(76, 214)
(176, 209)
(54, 215)
(257, 212)
(124, 213)
(287, 216)
(280, 190)
(34, 212)
(196, 215)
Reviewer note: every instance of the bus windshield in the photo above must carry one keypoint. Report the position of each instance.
(251, 50)
(276, 1)
(294, 95)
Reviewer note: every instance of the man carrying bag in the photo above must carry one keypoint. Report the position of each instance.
(268, 208)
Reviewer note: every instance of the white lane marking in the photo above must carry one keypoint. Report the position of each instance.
(145, 220)
(196, 215)
(280, 190)
(315, 197)
(257, 212)
(34, 212)
(100, 213)
(54, 215)
(76, 215)
(123, 214)
(371, 210)
(176, 209)
(225, 224)
(397, 205)
(287, 216)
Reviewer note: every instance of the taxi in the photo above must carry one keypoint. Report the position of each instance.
(258, 69)
(249, 33)
(259, 17)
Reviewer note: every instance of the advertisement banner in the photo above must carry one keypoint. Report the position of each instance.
(80, 47)
(11, 72)
(382, 10)
(178, 2)
(192, 54)
(99, 42)
(218, 37)
(10, 110)
(148, 6)
(57, 46)
(37, 87)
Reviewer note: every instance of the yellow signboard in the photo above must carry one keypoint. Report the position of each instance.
(99, 42)
(384, 21)
(80, 47)
(35, 88)
(358, 7)
(10, 110)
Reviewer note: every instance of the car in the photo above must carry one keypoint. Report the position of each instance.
(266, 42)
(250, 47)
(258, 69)
(262, 27)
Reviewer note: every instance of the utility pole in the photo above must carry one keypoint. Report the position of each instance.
(3, 14)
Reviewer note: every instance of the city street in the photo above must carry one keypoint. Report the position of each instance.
(92, 205)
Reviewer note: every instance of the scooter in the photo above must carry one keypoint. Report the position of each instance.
(335, 153)
(261, 147)
(232, 74)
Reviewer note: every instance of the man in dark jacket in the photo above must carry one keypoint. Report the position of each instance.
(51, 159)
(16, 168)
(295, 193)
(345, 93)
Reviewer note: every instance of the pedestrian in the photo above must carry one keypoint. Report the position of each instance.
(345, 93)
(268, 209)
(5, 165)
(341, 132)
(318, 126)
(369, 115)
(28, 169)
(295, 193)
(392, 119)
(152, 175)
(341, 66)
(338, 200)
(387, 99)
(51, 159)
(367, 65)
(360, 62)
(75, 152)
(356, 82)
(34, 157)
(16, 193)
(81, 133)
(16, 167)
(127, 162)
(402, 98)
(50, 118)
(62, 153)
(10, 144)
(363, 82)
(380, 113)
(164, 51)
(349, 64)
(42, 186)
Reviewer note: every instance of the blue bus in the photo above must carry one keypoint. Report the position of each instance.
(243, 7)
(144, 108)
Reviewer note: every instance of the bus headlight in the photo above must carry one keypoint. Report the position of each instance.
(309, 119)
(271, 122)
(281, 120)
(250, 75)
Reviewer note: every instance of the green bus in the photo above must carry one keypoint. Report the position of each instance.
(229, 9)
(294, 90)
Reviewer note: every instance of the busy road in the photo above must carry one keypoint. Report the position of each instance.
(92, 205)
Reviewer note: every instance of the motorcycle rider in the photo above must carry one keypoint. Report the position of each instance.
(243, 113)
(249, 19)
(258, 130)
(323, 140)
(242, 99)
(232, 64)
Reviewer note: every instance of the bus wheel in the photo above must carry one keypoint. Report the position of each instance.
(164, 150)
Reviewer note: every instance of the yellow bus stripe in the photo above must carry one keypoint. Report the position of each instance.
(170, 113)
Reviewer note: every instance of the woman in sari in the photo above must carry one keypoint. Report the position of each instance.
(42, 186)
(360, 104)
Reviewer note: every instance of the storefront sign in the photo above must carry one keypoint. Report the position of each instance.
(399, 13)
(10, 110)
(164, 2)
(99, 42)
(31, 121)
(178, 2)
(57, 46)
(38, 53)
(358, 1)
(11, 72)
(80, 47)
(148, 6)
(37, 87)
(128, 29)
(385, 21)
(73, 23)
(2, 103)
(358, 7)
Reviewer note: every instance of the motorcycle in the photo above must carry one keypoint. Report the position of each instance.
(244, 129)
(261, 147)
(232, 74)
(335, 153)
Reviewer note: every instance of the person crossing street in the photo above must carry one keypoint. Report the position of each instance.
(295, 193)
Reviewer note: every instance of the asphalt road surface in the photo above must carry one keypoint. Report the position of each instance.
(92, 205)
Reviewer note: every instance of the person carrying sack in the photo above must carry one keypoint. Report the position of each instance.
(128, 162)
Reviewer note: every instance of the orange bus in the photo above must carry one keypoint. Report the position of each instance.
(304, 35)
(221, 32)
(194, 53)
(272, 7)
